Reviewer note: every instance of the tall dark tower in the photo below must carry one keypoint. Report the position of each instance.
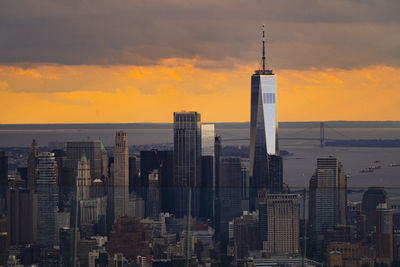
(32, 164)
(371, 198)
(217, 152)
(275, 174)
(161, 161)
(187, 162)
(229, 194)
(3, 181)
(47, 195)
(328, 200)
(3, 172)
(263, 126)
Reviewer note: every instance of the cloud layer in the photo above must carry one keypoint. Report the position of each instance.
(153, 93)
(139, 61)
(301, 34)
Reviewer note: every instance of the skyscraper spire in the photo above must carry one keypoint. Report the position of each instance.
(263, 49)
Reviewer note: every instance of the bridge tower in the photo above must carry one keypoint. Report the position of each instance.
(321, 134)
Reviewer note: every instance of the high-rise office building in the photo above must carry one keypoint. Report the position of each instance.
(4, 241)
(83, 180)
(371, 198)
(328, 199)
(207, 194)
(166, 176)
(32, 164)
(384, 234)
(275, 174)
(396, 234)
(92, 151)
(82, 186)
(60, 157)
(3, 177)
(65, 245)
(47, 192)
(207, 187)
(162, 161)
(22, 215)
(153, 196)
(208, 139)
(262, 222)
(282, 214)
(121, 175)
(229, 193)
(109, 191)
(245, 186)
(148, 163)
(133, 173)
(263, 126)
(65, 182)
(4, 219)
(217, 157)
(91, 211)
(246, 235)
(187, 162)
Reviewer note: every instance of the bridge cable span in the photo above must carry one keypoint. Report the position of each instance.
(292, 136)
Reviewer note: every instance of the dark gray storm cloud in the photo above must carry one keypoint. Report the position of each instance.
(301, 34)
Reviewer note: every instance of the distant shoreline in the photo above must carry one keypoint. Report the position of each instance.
(151, 125)
(387, 143)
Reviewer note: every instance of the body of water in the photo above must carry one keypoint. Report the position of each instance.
(298, 167)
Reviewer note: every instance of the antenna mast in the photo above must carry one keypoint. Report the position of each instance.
(263, 49)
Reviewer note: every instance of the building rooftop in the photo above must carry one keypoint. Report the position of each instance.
(263, 72)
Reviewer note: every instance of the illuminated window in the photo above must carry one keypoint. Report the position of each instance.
(269, 98)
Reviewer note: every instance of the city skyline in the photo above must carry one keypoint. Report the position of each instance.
(222, 223)
(145, 133)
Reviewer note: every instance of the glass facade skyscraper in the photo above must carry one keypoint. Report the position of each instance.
(207, 139)
(187, 161)
(263, 127)
(47, 199)
(327, 203)
(207, 170)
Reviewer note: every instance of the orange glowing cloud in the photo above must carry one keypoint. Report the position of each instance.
(94, 94)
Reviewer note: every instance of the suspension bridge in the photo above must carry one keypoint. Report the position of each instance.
(322, 138)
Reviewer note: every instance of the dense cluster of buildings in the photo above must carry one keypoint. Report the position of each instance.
(189, 206)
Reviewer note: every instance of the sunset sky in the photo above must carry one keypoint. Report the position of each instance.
(95, 61)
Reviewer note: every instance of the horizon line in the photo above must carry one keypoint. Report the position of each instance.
(220, 122)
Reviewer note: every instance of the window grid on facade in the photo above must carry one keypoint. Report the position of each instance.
(269, 98)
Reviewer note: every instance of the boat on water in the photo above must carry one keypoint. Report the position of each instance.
(367, 170)
(394, 165)
(371, 168)
(375, 167)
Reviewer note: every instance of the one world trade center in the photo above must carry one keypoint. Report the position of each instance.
(263, 133)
